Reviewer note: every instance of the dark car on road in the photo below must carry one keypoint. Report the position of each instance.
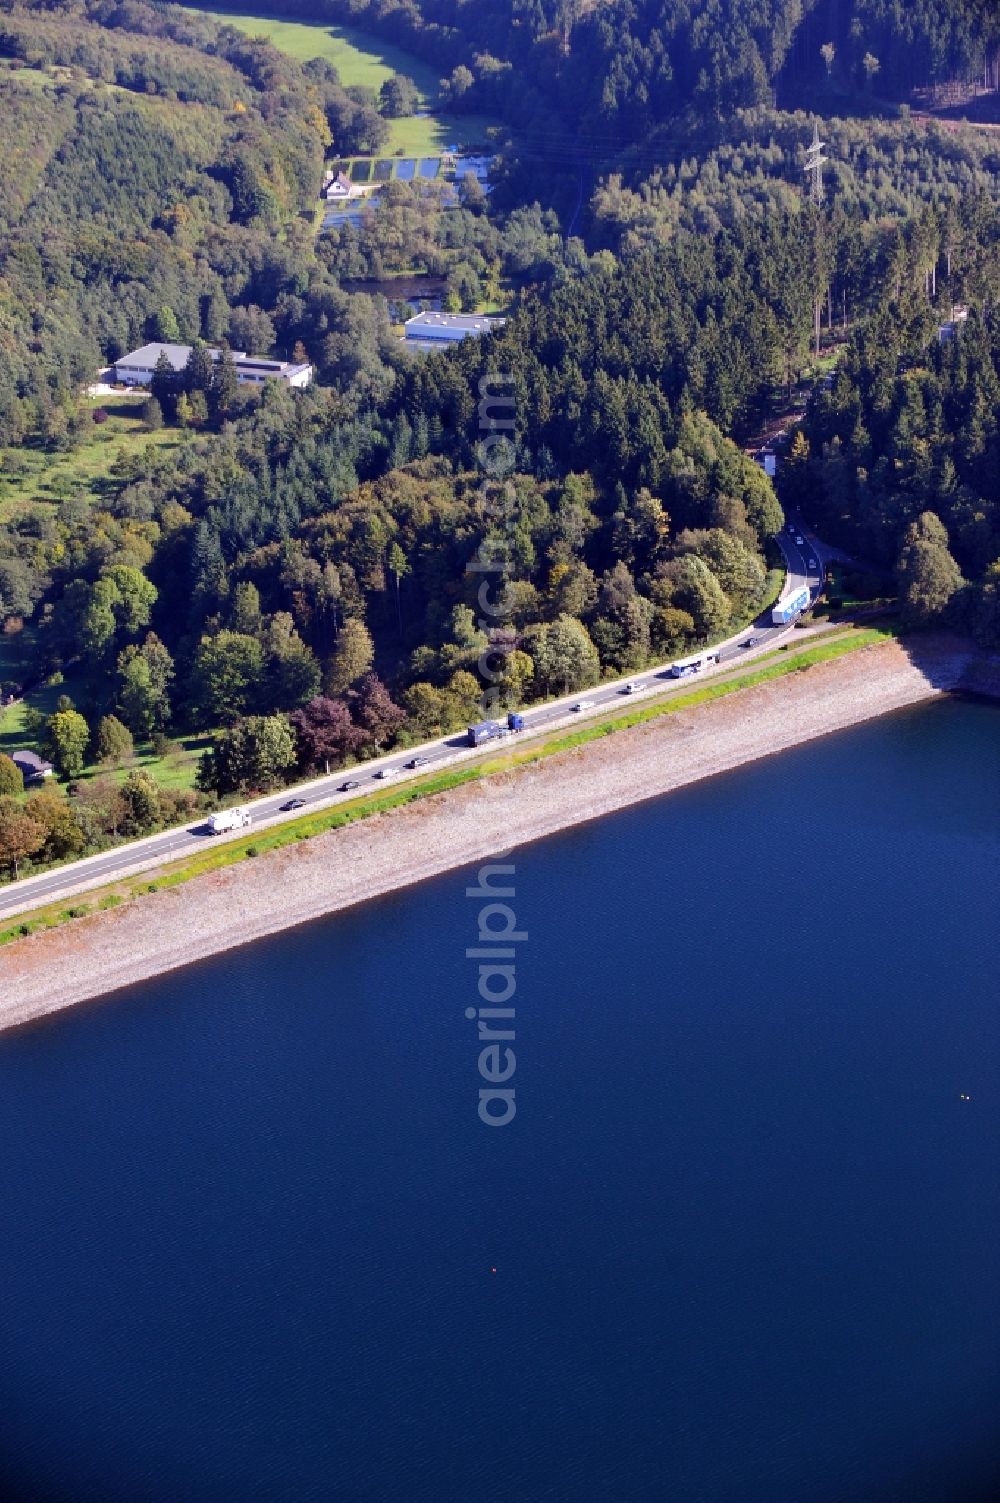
(293, 803)
(351, 783)
(419, 762)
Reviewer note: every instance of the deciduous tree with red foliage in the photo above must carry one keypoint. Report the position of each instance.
(324, 732)
(375, 712)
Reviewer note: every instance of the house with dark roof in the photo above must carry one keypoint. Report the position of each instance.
(33, 768)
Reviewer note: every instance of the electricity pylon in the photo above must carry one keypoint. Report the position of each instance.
(815, 162)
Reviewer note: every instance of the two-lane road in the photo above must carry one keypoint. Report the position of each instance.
(805, 566)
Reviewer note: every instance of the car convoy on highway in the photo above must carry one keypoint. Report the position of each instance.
(804, 577)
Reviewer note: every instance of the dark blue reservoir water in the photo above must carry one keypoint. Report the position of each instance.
(744, 1225)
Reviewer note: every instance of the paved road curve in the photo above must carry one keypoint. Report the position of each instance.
(804, 562)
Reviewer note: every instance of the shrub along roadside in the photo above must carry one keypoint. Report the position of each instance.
(310, 825)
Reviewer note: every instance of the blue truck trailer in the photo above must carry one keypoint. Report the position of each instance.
(483, 731)
(491, 730)
(793, 605)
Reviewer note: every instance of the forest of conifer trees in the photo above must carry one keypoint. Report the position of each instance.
(291, 570)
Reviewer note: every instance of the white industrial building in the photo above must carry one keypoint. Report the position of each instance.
(432, 330)
(137, 369)
(251, 368)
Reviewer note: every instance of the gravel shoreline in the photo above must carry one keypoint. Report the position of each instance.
(209, 914)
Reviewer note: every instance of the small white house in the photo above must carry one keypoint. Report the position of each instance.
(338, 188)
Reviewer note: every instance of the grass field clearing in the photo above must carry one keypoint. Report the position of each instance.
(358, 56)
(361, 58)
(32, 475)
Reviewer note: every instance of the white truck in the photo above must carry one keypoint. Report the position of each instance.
(688, 666)
(229, 819)
(790, 606)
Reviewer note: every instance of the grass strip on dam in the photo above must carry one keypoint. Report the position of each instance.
(307, 826)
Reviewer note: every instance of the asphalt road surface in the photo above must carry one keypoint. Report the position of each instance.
(804, 562)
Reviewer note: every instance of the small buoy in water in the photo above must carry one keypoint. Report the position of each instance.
(492, 1270)
(964, 1097)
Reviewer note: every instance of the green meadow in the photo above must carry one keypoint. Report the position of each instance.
(361, 58)
(358, 57)
(32, 475)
